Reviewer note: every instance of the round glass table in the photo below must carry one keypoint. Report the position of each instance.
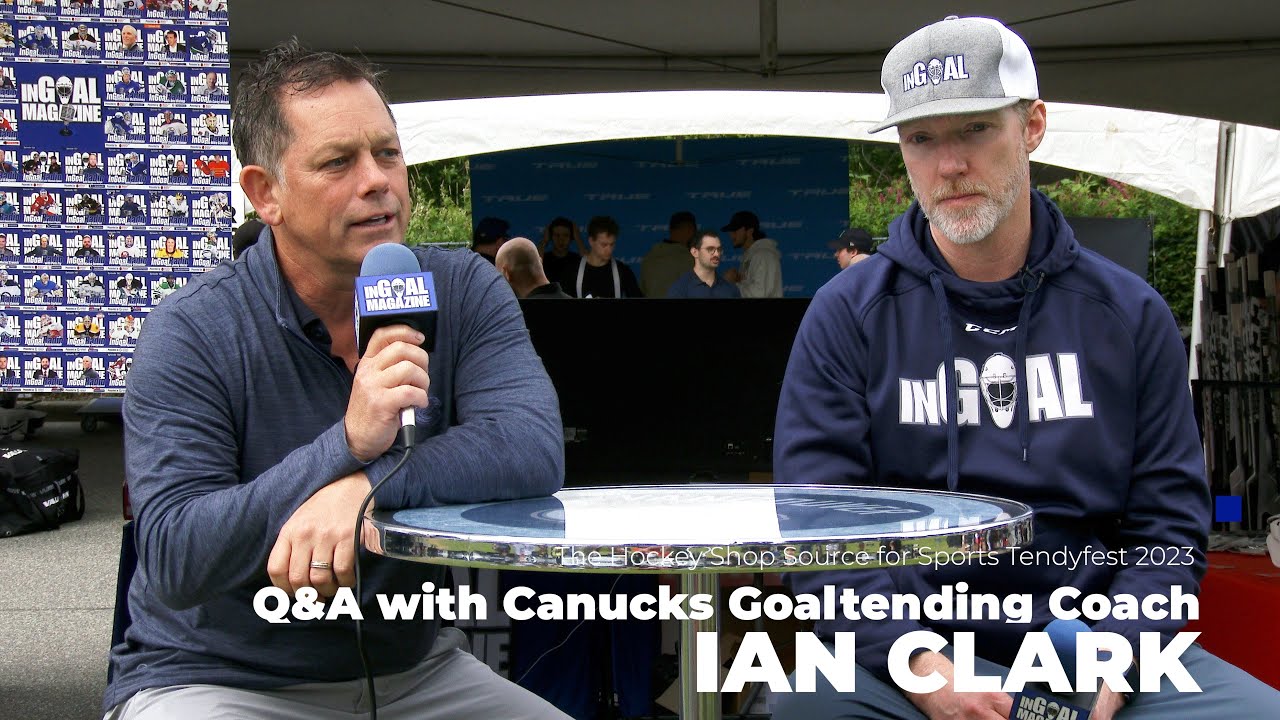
(699, 530)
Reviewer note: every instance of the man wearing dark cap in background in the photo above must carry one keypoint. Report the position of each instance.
(489, 235)
(1059, 380)
(852, 247)
(760, 274)
(669, 258)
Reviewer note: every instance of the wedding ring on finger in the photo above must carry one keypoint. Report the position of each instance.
(321, 565)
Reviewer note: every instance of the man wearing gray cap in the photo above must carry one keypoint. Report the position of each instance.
(982, 350)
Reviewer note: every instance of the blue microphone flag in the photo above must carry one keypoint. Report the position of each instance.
(392, 289)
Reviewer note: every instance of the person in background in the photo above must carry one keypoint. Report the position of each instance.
(519, 263)
(172, 48)
(852, 247)
(558, 259)
(245, 236)
(129, 41)
(488, 236)
(87, 371)
(93, 172)
(44, 249)
(86, 249)
(760, 274)
(45, 372)
(598, 274)
(46, 287)
(703, 281)
(668, 259)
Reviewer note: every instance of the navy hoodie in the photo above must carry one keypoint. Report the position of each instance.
(1101, 442)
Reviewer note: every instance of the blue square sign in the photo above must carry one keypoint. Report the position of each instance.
(1228, 508)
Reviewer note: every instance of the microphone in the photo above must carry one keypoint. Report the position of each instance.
(66, 113)
(1037, 701)
(392, 289)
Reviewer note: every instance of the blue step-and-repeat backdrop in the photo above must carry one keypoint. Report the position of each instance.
(798, 187)
(115, 177)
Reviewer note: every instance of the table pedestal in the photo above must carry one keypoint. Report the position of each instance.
(693, 704)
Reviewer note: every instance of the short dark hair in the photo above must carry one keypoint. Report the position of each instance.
(602, 224)
(260, 132)
(695, 242)
(683, 217)
(563, 222)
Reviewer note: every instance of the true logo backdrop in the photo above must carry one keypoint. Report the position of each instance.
(798, 187)
(114, 176)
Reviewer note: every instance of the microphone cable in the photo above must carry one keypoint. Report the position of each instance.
(560, 644)
(407, 437)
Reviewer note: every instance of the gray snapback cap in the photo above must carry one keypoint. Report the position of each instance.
(955, 67)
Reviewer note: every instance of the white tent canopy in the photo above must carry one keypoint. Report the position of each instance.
(1166, 154)
(1169, 155)
(1184, 158)
(1186, 57)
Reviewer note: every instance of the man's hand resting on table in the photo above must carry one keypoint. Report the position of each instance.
(320, 530)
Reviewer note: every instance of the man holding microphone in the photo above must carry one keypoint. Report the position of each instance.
(247, 468)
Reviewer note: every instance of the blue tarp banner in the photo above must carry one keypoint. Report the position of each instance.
(799, 188)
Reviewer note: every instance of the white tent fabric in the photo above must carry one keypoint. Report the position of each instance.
(1256, 173)
(1169, 155)
(1186, 57)
(1174, 156)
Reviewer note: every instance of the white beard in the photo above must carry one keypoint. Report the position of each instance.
(972, 225)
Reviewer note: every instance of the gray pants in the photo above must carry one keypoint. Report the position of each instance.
(449, 683)
(1228, 691)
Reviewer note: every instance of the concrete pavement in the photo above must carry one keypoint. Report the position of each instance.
(57, 589)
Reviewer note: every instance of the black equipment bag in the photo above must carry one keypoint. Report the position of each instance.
(39, 489)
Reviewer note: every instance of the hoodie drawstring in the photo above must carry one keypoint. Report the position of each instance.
(949, 379)
(1030, 283)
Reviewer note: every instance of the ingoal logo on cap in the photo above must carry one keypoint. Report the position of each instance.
(949, 68)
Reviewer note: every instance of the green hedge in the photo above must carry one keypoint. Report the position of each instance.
(441, 193)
